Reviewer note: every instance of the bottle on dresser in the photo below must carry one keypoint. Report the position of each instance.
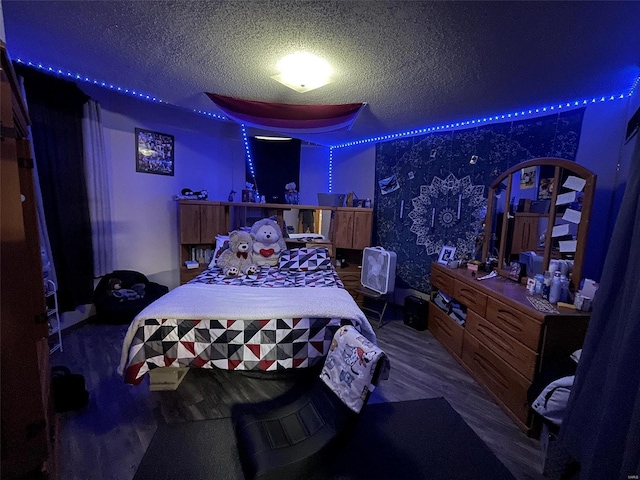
(556, 288)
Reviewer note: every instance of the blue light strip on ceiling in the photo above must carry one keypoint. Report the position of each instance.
(83, 78)
(479, 121)
(381, 138)
(211, 114)
(634, 86)
(330, 169)
(247, 150)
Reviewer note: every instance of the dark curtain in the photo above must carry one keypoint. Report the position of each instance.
(276, 163)
(55, 109)
(602, 426)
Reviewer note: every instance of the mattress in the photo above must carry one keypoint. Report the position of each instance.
(273, 320)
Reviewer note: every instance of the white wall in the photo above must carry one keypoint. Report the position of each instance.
(314, 178)
(600, 151)
(209, 155)
(354, 170)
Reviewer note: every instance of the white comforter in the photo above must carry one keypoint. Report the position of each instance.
(202, 301)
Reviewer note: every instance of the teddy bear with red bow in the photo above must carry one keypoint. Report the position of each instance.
(268, 242)
(237, 259)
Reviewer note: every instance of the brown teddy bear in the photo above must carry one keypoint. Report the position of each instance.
(237, 259)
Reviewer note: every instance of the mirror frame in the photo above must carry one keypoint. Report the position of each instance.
(560, 166)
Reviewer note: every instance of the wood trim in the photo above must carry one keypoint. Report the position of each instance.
(536, 162)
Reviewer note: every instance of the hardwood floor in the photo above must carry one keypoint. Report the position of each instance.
(108, 439)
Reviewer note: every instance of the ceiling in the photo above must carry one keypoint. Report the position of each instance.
(415, 64)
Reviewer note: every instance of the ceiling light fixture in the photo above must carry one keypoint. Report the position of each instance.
(303, 72)
(272, 139)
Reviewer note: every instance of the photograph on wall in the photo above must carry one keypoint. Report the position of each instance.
(154, 152)
(527, 178)
(388, 185)
(545, 189)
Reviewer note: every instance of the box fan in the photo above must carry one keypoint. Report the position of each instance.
(378, 269)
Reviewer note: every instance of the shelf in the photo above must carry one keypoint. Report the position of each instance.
(53, 316)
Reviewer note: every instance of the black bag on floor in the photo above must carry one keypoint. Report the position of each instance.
(416, 311)
(69, 391)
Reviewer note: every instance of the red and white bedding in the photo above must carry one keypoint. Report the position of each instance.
(277, 319)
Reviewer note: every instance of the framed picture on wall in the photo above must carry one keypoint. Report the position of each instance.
(446, 254)
(154, 152)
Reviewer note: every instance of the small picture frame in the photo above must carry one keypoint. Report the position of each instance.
(154, 152)
(446, 254)
(517, 270)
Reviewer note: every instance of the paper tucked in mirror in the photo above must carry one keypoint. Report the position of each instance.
(574, 183)
(572, 216)
(568, 245)
(565, 198)
(560, 230)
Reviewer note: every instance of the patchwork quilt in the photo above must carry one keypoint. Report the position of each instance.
(273, 320)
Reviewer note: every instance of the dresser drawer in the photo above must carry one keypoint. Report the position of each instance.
(470, 297)
(442, 281)
(499, 378)
(350, 277)
(520, 357)
(514, 322)
(445, 329)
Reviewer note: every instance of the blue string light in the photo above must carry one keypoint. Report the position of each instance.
(86, 79)
(83, 78)
(377, 139)
(247, 150)
(330, 169)
(505, 116)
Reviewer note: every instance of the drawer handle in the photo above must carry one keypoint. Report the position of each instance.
(490, 370)
(470, 296)
(447, 328)
(493, 338)
(510, 320)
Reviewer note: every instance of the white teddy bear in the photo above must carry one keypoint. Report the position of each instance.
(267, 242)
(237, 259)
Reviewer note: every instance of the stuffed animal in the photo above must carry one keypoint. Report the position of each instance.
(267, 242)
(136, 291)
(237, 259)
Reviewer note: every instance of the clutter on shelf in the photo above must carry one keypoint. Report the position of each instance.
(188, 194)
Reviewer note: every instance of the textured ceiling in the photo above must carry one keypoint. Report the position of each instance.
(415, 64)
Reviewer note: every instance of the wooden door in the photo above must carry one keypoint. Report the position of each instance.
(189, 224)
(525, 232)
(343, 229)
(213, 221)
(362, 229)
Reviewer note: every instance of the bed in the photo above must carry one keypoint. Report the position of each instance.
(283, 317)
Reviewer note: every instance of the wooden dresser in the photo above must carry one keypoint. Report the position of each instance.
(505, 341)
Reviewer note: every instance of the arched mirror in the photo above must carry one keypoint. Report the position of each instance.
(538, 213)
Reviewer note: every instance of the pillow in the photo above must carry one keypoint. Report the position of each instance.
(305, 259)
(222, 243)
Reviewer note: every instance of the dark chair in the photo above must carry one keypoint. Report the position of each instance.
(296, 436)
(113, 309)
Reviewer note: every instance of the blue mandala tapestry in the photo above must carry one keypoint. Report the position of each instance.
(428, 194)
